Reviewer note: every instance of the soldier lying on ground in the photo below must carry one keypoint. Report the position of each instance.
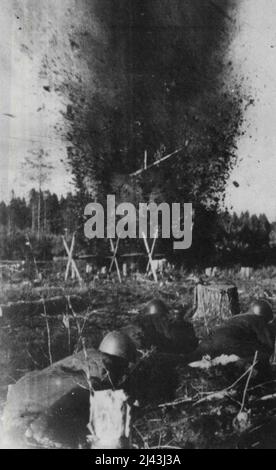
(242, 335)
(153, 328)
(56, 399)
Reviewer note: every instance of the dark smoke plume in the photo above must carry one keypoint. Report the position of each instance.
(159, 81)
(142, 75)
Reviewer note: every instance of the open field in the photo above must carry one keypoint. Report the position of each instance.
(27, 342)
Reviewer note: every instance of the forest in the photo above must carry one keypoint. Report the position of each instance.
(219, 238)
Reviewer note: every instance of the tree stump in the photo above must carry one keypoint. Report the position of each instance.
(246, 272)
(211, 272)
(110, 419)
(215, 303)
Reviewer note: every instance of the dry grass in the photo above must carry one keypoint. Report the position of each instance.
(185, 421)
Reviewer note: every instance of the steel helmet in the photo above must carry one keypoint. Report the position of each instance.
(157, 307)
(120, 345)
(263, 309)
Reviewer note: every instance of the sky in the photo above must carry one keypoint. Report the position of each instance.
(28, 113)
(34, 112)
(254, 54)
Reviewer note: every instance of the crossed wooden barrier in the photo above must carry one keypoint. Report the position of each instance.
(150, 266)
(71, 264)
(114, 250)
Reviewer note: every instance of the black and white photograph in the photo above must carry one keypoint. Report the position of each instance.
(137, 227)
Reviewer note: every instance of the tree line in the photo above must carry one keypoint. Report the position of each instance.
(218, 237)
(42, 217)
(40, 213)
(245, 239)
(224, 239)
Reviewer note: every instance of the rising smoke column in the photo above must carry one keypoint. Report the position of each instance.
(159, 81)
(136, 75)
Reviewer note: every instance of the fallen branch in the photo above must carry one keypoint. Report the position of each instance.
(181, 401)
(248, 371)
(216, 396)
(248, 381)
(270, 382)
(18, 311)
(242, 421)
(268, 397)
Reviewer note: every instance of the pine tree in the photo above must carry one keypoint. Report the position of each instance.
(38, 170)
(3, 214)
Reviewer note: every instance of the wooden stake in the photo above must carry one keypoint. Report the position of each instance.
(152, 249)
(70, 256)
(71, 260)
(114, 258)
(114, 250)
(150, 258)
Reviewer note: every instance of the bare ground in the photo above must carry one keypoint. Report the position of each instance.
(176, 419)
